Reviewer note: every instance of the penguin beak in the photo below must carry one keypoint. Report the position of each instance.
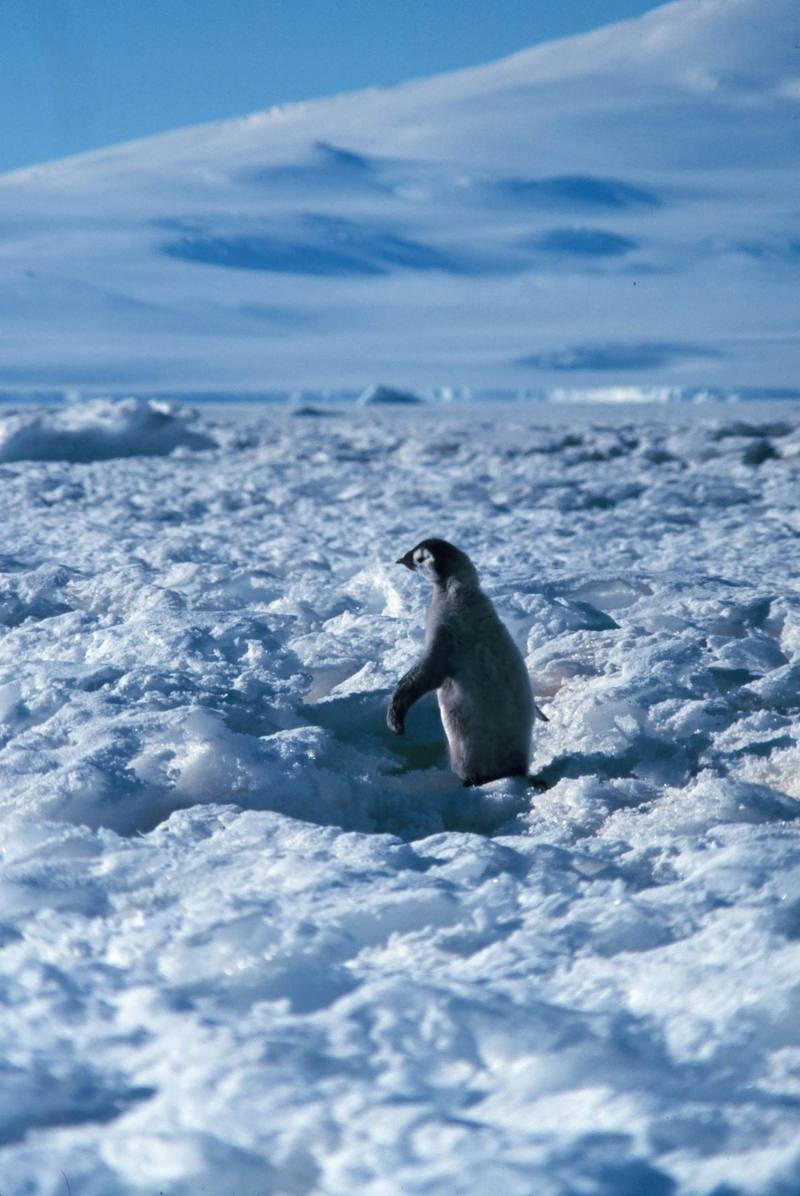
(407, 560)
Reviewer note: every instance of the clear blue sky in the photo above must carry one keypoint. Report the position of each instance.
(79, 74)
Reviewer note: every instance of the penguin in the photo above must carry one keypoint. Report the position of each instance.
(470, 659)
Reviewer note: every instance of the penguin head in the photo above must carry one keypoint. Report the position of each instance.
(440, 562)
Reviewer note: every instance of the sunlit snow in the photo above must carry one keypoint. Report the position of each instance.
(252, 942)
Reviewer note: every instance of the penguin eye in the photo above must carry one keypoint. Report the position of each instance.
(420, 556)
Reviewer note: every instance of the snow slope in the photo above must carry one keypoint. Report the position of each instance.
(251, 943)
(617, 207)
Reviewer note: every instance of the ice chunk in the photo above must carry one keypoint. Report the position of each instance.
(378, 395)
(98, 429)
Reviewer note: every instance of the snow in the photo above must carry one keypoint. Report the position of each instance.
(614, 209)
(251, 942)
(99, 429)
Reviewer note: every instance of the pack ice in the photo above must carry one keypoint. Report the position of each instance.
(250, 942)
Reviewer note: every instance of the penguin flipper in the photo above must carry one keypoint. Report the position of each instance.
(540, 714)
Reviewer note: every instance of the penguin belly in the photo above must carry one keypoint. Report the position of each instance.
(488, 727)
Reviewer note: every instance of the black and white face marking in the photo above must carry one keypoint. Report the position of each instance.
(424, 563)
(436, 560)
(420, 560)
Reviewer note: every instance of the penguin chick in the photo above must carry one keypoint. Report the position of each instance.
(482, 684)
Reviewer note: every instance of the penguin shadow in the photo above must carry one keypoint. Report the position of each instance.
(647, 758)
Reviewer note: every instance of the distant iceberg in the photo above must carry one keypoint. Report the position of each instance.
(378, 395)
(640, 394)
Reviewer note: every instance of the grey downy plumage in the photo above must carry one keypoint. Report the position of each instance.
(470, 659)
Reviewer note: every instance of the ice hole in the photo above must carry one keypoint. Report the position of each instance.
(613, 593)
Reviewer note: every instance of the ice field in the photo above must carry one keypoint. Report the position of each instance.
(253, 943)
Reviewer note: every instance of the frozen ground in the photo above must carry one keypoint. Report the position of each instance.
(253, 944)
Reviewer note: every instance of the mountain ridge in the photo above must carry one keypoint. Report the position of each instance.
(602, 197)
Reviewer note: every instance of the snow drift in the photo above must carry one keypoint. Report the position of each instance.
(98, 430)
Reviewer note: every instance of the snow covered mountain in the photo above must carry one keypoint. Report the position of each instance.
(619, 207)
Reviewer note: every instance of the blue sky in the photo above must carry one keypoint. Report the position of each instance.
(78, 74)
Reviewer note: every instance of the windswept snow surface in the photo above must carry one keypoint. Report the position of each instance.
(622, 203)
(252, 943)
(97, 430)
